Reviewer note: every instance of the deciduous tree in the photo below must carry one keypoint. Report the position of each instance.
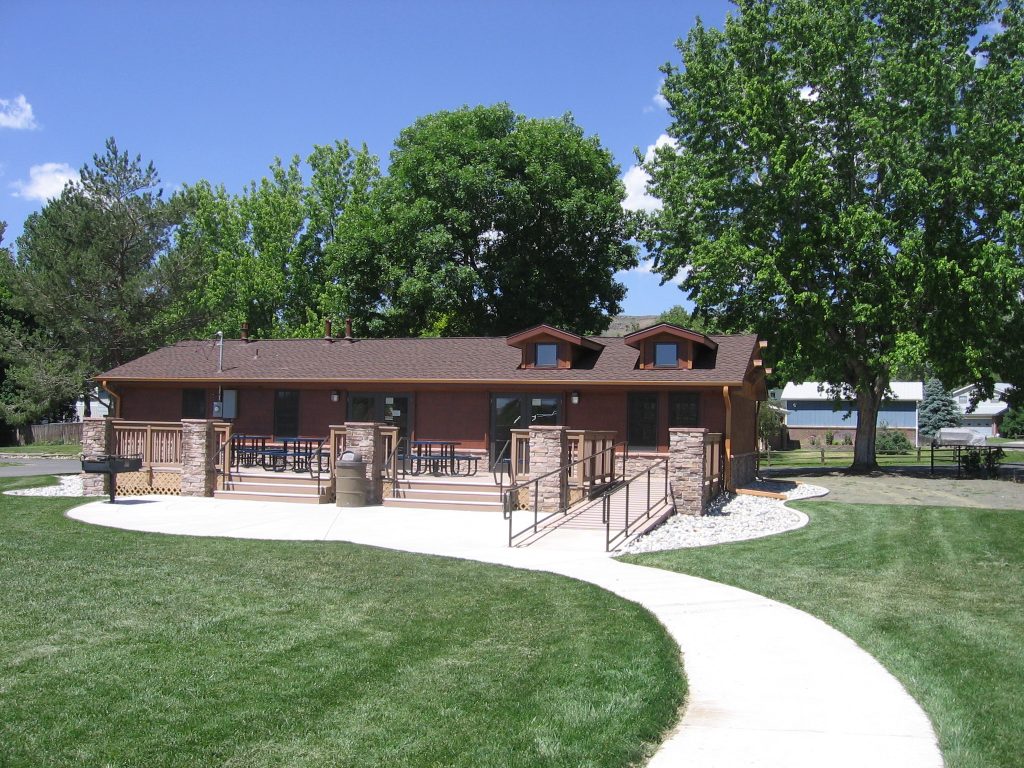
(492, 222)
(846, 179)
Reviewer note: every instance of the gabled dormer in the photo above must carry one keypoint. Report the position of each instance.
(667, 346)
(545, 346)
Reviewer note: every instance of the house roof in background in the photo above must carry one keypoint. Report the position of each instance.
(991, 407)
(448, 360)
(816, 390)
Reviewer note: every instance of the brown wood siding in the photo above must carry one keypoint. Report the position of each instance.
(461, 416)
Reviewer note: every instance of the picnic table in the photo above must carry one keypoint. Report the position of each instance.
(299, 454)
(439, 457)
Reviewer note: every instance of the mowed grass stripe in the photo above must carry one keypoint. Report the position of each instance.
(120, 648)
(934, 593)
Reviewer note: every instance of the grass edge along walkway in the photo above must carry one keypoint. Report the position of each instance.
(127, 648)
(936, 594)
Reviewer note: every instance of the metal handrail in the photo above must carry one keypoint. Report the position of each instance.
(606, 504)
(564, 471)
(391, 466)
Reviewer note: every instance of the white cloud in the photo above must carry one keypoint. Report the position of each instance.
(45, 181)
(636, 178)
(17, 114)
(658, 101)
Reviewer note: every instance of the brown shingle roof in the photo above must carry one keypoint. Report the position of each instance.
(461, 360)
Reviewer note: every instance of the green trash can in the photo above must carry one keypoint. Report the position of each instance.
(350, 481)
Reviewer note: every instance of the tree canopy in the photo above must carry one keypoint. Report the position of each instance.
(86, 280)
(490, 222)
(845, 178)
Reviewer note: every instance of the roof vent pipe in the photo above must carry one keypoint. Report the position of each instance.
(327, 330)
(244, 335)
(348, 329)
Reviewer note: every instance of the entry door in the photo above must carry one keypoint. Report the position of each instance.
(381, 407)
(286, 413)
(510, 412)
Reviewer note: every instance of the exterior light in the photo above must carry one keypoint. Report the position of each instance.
(574, 398)
(335, 395)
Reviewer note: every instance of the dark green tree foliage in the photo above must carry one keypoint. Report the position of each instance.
(846, 180)
(86, 270)
(1012, 424)
(491, 222)
(279, 256)
(938, 410)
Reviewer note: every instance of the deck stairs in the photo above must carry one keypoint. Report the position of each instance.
(477, 493)
(261, 485)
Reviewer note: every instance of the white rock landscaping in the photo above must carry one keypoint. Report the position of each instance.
(729, 517)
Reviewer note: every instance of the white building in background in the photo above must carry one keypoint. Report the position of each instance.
(985, 418)
(99, 407)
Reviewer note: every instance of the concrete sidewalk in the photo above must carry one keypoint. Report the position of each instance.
(769, 685)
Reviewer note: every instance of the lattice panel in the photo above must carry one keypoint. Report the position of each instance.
(133, 483)
(522, 500)
(149, 483)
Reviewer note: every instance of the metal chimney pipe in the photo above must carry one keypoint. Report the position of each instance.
(348, 329)
(244, 336)
(327, 330)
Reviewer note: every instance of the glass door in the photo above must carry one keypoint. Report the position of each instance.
(510, 412)
(382, 408)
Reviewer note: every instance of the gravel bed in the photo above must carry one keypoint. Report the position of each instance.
(728, 518)
(67, 485)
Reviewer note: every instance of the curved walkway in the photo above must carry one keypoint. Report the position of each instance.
(769, 685)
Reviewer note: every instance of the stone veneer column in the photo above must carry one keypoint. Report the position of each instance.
(549, 450)
(198, 457)
(686, 469)
(364, 438)
(97, 440)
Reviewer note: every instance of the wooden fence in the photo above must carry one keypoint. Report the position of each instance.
(64, 433)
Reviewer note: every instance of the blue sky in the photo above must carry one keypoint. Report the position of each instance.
(216, 90)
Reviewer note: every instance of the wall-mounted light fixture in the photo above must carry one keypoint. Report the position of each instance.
(335, 395)
(574, 398)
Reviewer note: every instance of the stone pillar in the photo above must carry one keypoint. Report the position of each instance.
(364, 438)
(549, 450)
(198, 457)
(686, 469)
(97, 440)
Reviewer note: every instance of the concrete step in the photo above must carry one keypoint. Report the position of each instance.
(276, 478)
(440, 494)
(444, 503)
(293, 498)
(250, 486)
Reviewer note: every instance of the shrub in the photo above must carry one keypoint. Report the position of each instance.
(830, 437)
(1013, 423)
(890, 441)
(847, 439)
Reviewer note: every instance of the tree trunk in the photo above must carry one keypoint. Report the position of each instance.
(86, 401)
(867, 420)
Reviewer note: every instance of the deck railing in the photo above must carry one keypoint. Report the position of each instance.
(158, 443)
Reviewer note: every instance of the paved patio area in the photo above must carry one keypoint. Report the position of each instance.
(769, 685)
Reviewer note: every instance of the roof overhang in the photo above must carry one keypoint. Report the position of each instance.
(523, 337)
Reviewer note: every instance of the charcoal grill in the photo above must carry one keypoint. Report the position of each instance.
(110, 465)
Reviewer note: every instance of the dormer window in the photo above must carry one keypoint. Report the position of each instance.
(666, 354)
(546, 355)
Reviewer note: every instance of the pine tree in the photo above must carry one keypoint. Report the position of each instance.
(938, 410)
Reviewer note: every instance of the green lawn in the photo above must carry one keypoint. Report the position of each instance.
(129, 649)
(838, 458)
(934, 593)
(57, 449)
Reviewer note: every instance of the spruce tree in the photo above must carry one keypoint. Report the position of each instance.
(938, 410)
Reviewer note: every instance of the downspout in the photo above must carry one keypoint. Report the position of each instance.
(114, 398)
(727, 440)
